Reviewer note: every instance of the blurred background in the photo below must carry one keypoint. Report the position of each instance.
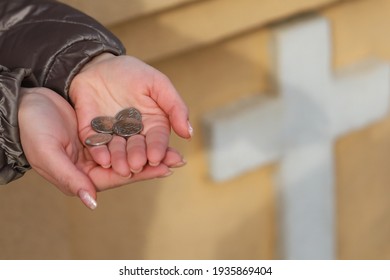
(217, 53)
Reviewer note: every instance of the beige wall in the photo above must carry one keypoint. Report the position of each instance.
(214, 58)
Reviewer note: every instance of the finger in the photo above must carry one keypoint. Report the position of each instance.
(101, 155)
(105, 179)
(117, 148)
(157, 139)
(136, 153)
(173, 158)
(167, 97)
(152, 172)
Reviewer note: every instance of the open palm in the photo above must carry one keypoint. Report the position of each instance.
(108, 84)
(49, 136)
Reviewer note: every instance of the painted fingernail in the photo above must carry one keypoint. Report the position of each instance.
(190, 129)
(87, 199)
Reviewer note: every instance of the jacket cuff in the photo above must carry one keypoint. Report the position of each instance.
(66, 64)
(13, 163)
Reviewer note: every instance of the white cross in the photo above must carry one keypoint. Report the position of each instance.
(299, 128)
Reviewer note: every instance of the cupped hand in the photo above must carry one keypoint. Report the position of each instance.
(111, 83)
(49, 136)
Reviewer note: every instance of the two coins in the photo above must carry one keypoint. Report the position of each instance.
(126, 123)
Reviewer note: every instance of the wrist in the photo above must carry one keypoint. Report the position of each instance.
(96, 60)
(89, 65)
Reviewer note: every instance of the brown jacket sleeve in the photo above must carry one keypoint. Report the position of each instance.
(52, 39)
(13, 163)
(42, 43)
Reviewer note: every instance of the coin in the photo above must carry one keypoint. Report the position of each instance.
(129, 113)
(103, 124)
(127, 127)
(98, 139)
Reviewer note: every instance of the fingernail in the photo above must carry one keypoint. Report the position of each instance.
(190, 129)
(128, 176)
(154, 164)
(106, 166)
(87, 199)
(179, 164)
(169, 173)
(136, 171)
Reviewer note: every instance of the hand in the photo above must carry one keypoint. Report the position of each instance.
(48, 132)
(110, 83)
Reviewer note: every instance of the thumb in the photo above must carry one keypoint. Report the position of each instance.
(170, 101)
(179, 120)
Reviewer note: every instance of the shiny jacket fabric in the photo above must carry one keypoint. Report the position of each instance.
(42, 43)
